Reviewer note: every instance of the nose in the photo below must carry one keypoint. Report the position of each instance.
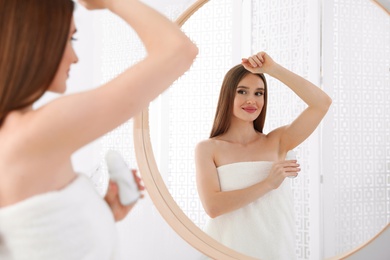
(75, 59)
(250, 102)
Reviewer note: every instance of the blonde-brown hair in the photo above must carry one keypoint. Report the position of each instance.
(224, 111)
(33, 36)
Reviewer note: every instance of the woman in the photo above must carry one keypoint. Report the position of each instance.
(47, 211)
(241, 171)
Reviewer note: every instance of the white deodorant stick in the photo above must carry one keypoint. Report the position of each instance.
(291, 155)
(121, 174)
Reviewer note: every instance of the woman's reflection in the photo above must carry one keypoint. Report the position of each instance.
(241, 172)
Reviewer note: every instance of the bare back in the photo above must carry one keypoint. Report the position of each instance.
(36, 145)
(26, 168)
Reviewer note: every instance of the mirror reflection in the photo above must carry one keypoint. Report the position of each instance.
(242, 172)
(340, 194)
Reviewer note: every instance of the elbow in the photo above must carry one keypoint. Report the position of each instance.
(187, 51)
(325, 104)
(177, 54)
(183, 49)
(192, 50)
(213, 212)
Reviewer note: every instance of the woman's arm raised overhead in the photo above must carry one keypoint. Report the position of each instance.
(317, 100)
(75, 120)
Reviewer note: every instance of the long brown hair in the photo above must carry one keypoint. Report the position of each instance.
(33, 37)
(224, 111)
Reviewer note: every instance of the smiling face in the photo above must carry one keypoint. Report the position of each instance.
(231, 100)
(69, 57)
(249, 98)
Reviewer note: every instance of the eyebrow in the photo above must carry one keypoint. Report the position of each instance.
(244, 87)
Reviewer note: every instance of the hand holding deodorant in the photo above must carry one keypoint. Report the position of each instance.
(291, 155)
(121, 174)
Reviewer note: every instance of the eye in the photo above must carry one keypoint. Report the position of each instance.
(241, 91)
(73, 39)
(259, 93)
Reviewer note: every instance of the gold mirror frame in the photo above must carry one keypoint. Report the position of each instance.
(164, 201)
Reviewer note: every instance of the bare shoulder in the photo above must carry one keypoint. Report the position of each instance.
(25, 168)
(19, 130)
(11, 128)
(207, 142)
(211, 144)
(205, 146)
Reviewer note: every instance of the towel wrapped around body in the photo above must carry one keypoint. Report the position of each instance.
(263, 229)
(72, 223)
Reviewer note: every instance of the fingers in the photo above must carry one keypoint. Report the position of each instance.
(112, 192)
(292, 171)
(288, 168)
(256, 60)
(112, 198)
(291, 168)
(138, 180)
(280, 170)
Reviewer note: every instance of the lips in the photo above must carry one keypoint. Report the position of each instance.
(250, 109)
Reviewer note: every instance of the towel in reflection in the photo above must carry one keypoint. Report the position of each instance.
(265, 228)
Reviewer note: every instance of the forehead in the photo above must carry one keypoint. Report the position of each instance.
(251, 81)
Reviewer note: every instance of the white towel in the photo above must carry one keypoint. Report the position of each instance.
(263, 229)
(72, 223)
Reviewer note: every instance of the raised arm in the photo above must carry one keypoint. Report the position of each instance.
(317, 100)
(75, 120)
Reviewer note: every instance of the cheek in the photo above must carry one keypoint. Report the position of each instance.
(63, 63)
(237, 104)
(238, 99)
(68, 54)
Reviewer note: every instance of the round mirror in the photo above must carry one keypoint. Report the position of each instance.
(341, 195)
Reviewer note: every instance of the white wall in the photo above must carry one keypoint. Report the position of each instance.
(356, 143)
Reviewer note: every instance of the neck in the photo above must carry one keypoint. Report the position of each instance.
(241, 132)
(26, 109)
